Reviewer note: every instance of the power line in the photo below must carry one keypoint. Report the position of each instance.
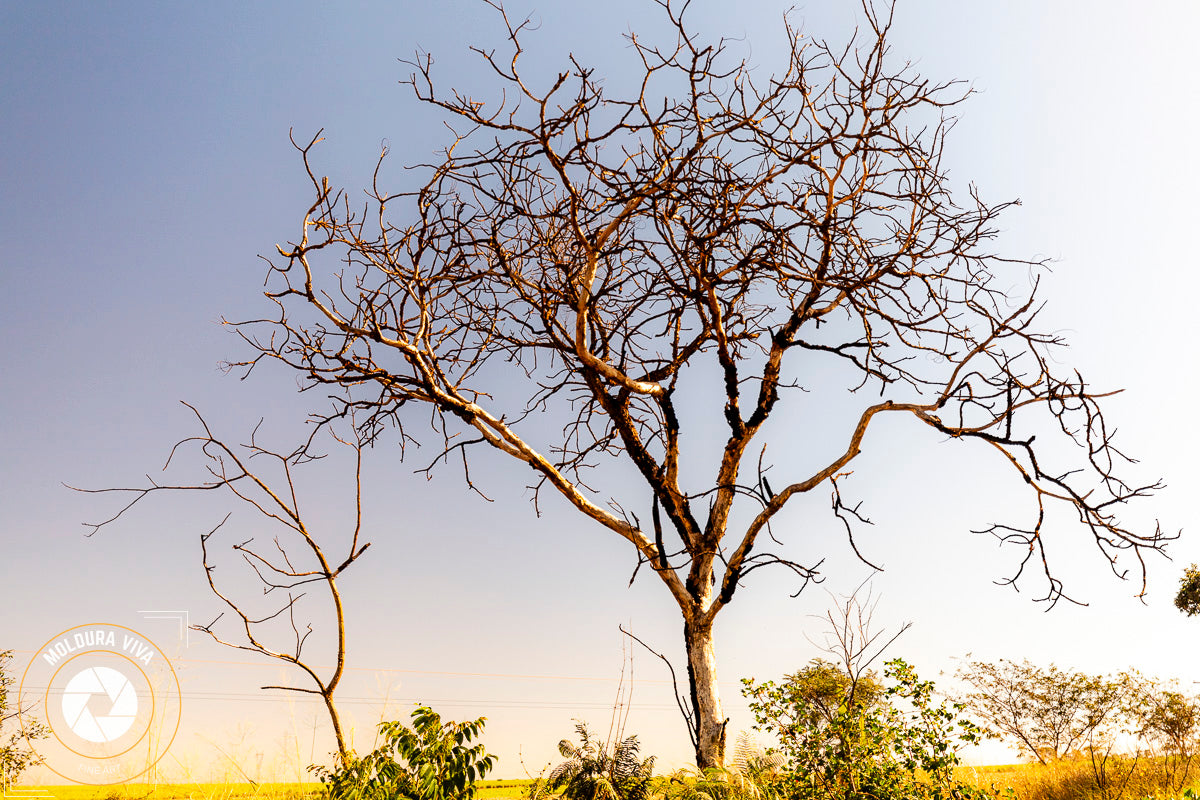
(270, 696)
(445, 673)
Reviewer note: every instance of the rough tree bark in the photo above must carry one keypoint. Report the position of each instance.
(604, 252)
(708, 720)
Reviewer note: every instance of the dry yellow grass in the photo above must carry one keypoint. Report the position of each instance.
(1145, 779)
(1080, 779)
(171, 791)
(488, 790)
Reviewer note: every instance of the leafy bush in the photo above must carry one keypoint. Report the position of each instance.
(842, 742)
(593, 772)
(15, 753)
(431, 761)
(1187, 599)
(752, 774)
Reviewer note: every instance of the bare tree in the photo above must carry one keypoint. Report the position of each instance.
(290, 564)
(591, 263)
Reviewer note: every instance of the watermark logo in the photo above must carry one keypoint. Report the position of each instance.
(122, 710)
(110, 698)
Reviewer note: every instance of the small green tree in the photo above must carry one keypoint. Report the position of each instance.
(433, 760)
(17, 729)
(1169, 722)
(1047, 713)
(822, 688)
(1187, 599)
(899, 744)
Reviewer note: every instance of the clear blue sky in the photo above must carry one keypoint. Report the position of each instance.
(144, 163)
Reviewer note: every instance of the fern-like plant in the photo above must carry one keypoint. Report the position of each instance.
(719, 783)
(752, 774)
(594, 771)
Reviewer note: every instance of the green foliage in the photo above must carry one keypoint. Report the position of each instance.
(1169, 722)
(753, 774)
(721, 783)
(431, 761)
(1188, 598)
(823, 687)
(594, 772)
(15, 753)
(897, 744)
(1093, 736)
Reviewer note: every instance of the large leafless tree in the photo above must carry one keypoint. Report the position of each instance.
(582, 253)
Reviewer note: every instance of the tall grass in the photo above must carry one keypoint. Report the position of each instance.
(487, 790)
(174, 791)
(1070, 779)
(1118, 778)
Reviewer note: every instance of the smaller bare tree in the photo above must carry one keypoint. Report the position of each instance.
(285, 568)
(852, 638)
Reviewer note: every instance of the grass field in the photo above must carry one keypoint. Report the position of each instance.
(488, 790)
(1077, 779)
(172, 791)
(1066, 780)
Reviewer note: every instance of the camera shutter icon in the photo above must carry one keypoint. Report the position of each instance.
(77, 704)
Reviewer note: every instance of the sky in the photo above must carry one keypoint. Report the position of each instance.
(145, 166)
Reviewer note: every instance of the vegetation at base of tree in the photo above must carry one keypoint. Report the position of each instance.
(719, 783)
(752, 775)
(433, 760)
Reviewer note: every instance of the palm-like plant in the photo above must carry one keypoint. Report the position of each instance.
(752, 775)
(595, 771)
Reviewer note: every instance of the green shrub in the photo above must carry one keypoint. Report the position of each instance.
(17, 730)
(431, 761)
(840, 742)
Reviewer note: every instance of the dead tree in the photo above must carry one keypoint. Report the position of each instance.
(297, 560)
(585, 254)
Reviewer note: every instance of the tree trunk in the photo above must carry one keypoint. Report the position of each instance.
(706, 698)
